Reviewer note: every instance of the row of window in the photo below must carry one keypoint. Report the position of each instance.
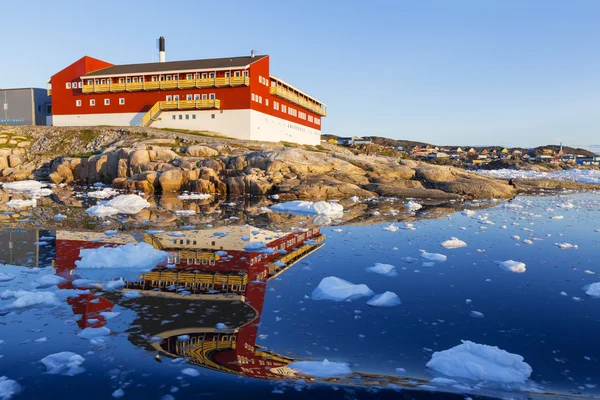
(295, 113)
(106, 102)
(258, 99)
(210, 96)
(187, 116)
(156, 78)
(263, 80)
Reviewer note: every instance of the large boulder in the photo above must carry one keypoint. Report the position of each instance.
(198, 150)
(137, 159)
(14, 160)
(171, 181)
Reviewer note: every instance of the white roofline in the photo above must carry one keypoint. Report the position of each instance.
(156, 73)
(298, 90)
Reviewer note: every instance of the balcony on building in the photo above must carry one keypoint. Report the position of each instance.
(171, 81)
(285, 91)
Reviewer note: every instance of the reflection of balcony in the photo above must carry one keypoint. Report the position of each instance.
(161, 106)
(298, 100)
(168, 85)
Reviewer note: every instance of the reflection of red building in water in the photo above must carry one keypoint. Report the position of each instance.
(208, 265)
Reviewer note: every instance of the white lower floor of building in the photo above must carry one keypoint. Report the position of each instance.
(240, 124)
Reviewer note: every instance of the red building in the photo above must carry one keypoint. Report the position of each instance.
(236, 97)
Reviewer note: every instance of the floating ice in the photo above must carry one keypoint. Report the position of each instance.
(63, 363)
(117, 394)
(584, 176)
(194, 196)
(128, 255)
(557, 217)
(469, 213)
(185, 212)
(386, 299)
(566, 245)
(60, 217)
(45, 281)
(132, 294)
(128, 203)
(321, 369)
(8, 388)
(593, 290)
(390, 228)
(336, 289)
(308, 207)
(23, 185)
(480, 362)
(512, 266)
(4, 277)
(383, 269)
(433, 256)
(93, 333)
(413, 206)
(25, 299)
(21, 203)
(453, 243)
(477, 314)
(115, 285)
(103, 194)
(190, 372)
(354, 199)
(221, 326)
(102, 211)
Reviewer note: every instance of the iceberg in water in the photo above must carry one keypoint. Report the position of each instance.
(320, 369)
(128, 255)
(387, 299)
(336, 289)
(123, 204)
(383, 269)
(308, 207)
(413, 206)
(479, 362)
(593, 290)
(8, 388)
(63, 363)
(513, 266)
(453, 243)
(25, 299)
(433, 256)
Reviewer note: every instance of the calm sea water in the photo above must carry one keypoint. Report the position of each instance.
(271, 320)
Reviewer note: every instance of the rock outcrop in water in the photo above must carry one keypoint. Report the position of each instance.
(153, 160)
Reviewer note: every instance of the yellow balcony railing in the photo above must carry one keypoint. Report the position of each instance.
(167, 85)
(49, 92)
(294, 98)
(151, 114)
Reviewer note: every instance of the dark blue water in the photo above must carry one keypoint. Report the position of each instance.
(523, 313)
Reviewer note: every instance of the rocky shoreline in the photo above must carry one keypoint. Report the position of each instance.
(151, 160)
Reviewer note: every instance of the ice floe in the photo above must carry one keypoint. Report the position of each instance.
(128, 203)
(320, 369)
(190, 372)
(45, 281)
(64, 363)
(21, 203)
(390, 228)
(593, 290)
(141, 255)
(103, 194)
(386, 299)
(93, 333)
(512, 266)
(413, 206)
(25, 299)
(566, 245)
(479, 362)
(336, 289)
(102, 210)
(194, 196)
(8, 388)
(453, 243)
(433, 256)
(308, 207)
(23, 185)
(383, 269)
(5, 277)
(117, 394)
(576, 175)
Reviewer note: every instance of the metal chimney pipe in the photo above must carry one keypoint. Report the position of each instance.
(161, 49)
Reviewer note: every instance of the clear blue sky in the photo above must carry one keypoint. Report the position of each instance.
(508, 72)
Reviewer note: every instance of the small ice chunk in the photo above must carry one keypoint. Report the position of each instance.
(128, 203)
(185, 212)
(93, 333)
(336, 289)
(221, 326)
(354, 199)
(117, 394)
(8, 388)
(383, 269)
(453, 243)
(23, 185)
(194, 196)
(26, 299)
(477, 314)
(103, 194)
(117, 284)
(565, 245)
(45, 281)
(413, 206)
(132, 294)
(308, 207)
(321, 369)
(390, 228)
(386, 299)
(433, 256)
(512, 266)
(129, 255)
(190, 372)
(63, 363)
(21, 203)
(480, 362)
(102, 211)
(468, 213)
(5, 277)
